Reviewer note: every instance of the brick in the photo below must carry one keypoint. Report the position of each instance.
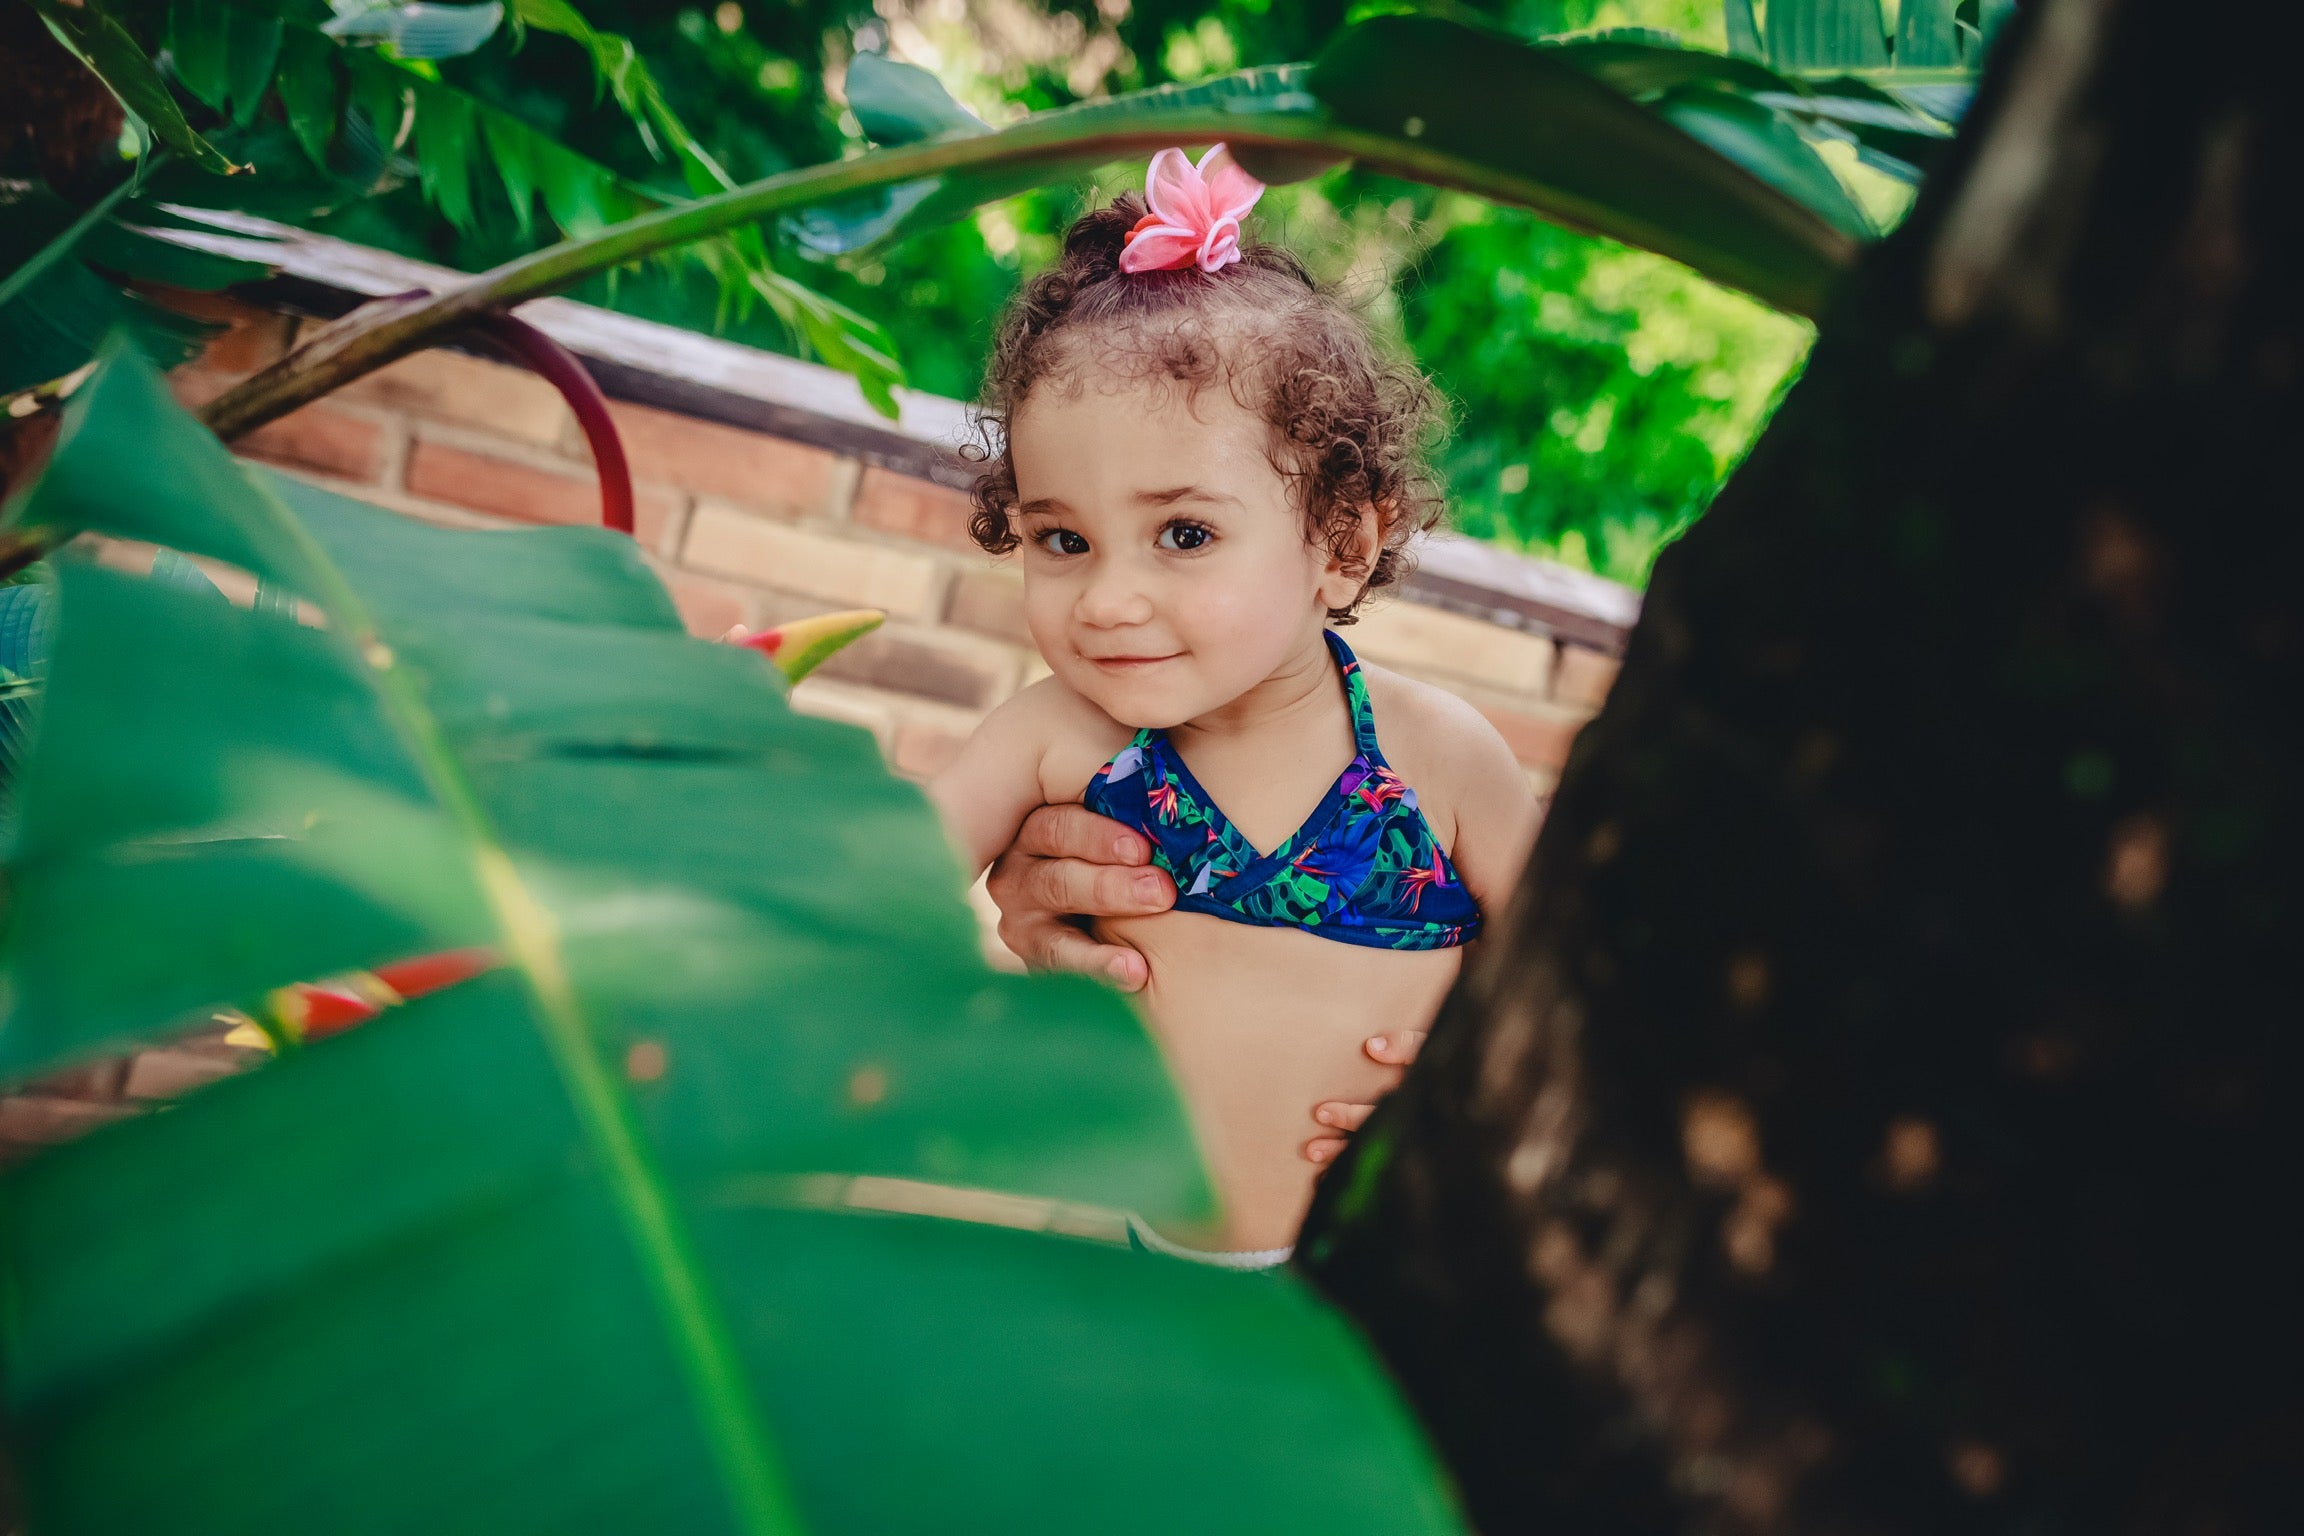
(165, 1073)
(990, 602)
(845, 572)
(1584, 676)
(194, 386)
(709, 608)
(448, 386)
(913, 508)
(1433, 641)
(951, 668)
(862, 707)
(253, 338)
(925, 747)
(751, 469)
(1539, 734)
(41, 1119)
(336, 442)
(526, 490)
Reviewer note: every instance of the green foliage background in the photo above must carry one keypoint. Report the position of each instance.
(1600, 394)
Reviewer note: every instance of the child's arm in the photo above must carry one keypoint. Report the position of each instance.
(1496, 809)
(995, 782)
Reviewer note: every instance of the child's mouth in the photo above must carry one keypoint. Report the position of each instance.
(1130, 663)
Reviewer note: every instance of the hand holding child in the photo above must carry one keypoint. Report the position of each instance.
(1067, 861)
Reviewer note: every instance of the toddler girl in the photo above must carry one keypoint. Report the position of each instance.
(1202, 464)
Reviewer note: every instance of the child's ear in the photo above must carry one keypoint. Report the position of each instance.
(1352, 558)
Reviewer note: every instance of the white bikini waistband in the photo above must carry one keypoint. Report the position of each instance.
(1235, 1258)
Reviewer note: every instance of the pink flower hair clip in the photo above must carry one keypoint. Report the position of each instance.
(1196, 213)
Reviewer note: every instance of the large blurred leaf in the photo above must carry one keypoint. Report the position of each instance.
(476, 1267)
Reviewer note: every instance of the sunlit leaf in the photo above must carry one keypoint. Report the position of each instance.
(1757, 138)
(1826, 34)
(417, 30)
(1926, 35)
(898, 103)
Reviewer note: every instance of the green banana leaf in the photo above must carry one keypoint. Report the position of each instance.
(1445, 102)
(742, 1198)
(899, 104)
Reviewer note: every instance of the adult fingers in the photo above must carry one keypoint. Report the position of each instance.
(1050, 945)
(1098, 890)
(1323, 1149)
(1076, 832)
(1343, 1117)
(1397, 1049)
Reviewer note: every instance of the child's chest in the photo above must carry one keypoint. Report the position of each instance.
(1263, 791)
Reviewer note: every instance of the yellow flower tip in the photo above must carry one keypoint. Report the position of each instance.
(249, 1038)
(800, 647)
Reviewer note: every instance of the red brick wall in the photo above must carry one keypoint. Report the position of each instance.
(752, 529)
(749, 528)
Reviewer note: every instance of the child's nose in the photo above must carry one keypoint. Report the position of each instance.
(1113, 598)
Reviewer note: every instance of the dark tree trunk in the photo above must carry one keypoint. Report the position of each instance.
(1871, 1118)
(66, 121)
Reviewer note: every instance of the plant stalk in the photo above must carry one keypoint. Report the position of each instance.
(386, 330)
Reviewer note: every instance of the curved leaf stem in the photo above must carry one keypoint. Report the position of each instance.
(389, 329)
(566, 372)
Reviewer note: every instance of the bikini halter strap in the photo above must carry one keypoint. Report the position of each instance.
(1356, 694)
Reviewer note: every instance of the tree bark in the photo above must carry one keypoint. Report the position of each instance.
(1870, 1116)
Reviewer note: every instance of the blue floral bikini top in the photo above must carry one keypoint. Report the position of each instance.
(1363, 869)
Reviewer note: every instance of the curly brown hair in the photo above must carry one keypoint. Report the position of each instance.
(1348, 424)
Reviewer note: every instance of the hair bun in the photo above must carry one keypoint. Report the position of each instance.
(1093, 244)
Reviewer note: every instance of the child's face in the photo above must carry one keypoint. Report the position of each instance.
(1166, 567)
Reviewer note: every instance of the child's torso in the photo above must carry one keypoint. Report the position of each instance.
(1261, 1016)
(1259, 1025)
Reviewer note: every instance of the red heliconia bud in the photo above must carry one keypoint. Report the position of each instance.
(429, 973)
(316, 1012)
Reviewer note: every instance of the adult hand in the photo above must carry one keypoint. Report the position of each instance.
(1341, 1119)
(1067, 861)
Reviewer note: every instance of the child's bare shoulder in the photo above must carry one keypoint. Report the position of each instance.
(1073, 736)
(1446, 748)
(1473, 790)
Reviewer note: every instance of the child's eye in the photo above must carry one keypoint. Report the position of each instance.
(1061, 541)
(1184, 536)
